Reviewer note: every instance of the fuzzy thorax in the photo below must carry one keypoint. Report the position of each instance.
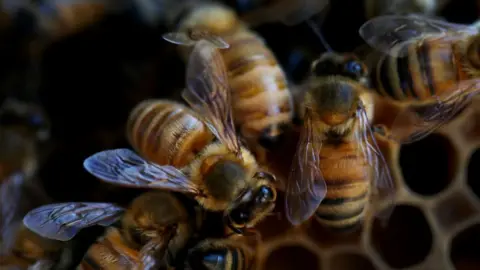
(212, 154)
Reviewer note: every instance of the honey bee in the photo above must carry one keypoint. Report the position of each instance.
(428, 65)
(221, 254)
(262, 104)
(154, 223)
(223, 177)
(337, 149)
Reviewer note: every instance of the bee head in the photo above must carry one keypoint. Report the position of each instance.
(334, 101)
(254, 204)
(347, 65)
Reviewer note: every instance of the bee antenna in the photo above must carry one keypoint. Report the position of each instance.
(319, 34)
(316, 29)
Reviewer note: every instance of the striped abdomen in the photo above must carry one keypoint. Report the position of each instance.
(110, 253)
(430, 68)
(261, 99)
(346, 173)
(166, 133)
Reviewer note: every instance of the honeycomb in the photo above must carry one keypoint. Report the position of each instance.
(435, 219)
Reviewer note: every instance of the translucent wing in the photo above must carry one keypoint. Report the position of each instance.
(391, 33)
(179, 38)
(382, 181)
(192, 37)
(63, 221)
(415, 122)
(124, 167)
(208, 93)
(305, 188)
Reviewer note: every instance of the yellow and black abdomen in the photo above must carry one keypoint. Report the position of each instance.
(166, 132)
(430, 68)
(261, 100)
(346, 173)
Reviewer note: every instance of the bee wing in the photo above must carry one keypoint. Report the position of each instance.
(305, 188)
(182, 38)
(179, 38)
(62, 221)
(415, 122)
(208, 93)
(391, 33)
(382, 180)
(124, 167)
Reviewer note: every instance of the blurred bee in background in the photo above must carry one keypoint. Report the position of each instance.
(222, 254)
(374, 8)
(55, 19)
(261, 101)
(223, 177)
(429, 67)
(25, 248)
(338, 166)
(153, 223)
(23, 126)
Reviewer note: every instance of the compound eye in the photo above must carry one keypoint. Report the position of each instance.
(239, 216)
(354, 67)
(265, 194)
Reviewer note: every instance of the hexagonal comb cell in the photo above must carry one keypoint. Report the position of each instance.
(452, 210)
(474, 172)
(464, 249)
(351, 261)
(291, 257)
(428, 165)
(405, 240)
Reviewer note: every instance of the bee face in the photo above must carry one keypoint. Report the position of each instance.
(255, 203)
(335, 101)
(341, 65)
